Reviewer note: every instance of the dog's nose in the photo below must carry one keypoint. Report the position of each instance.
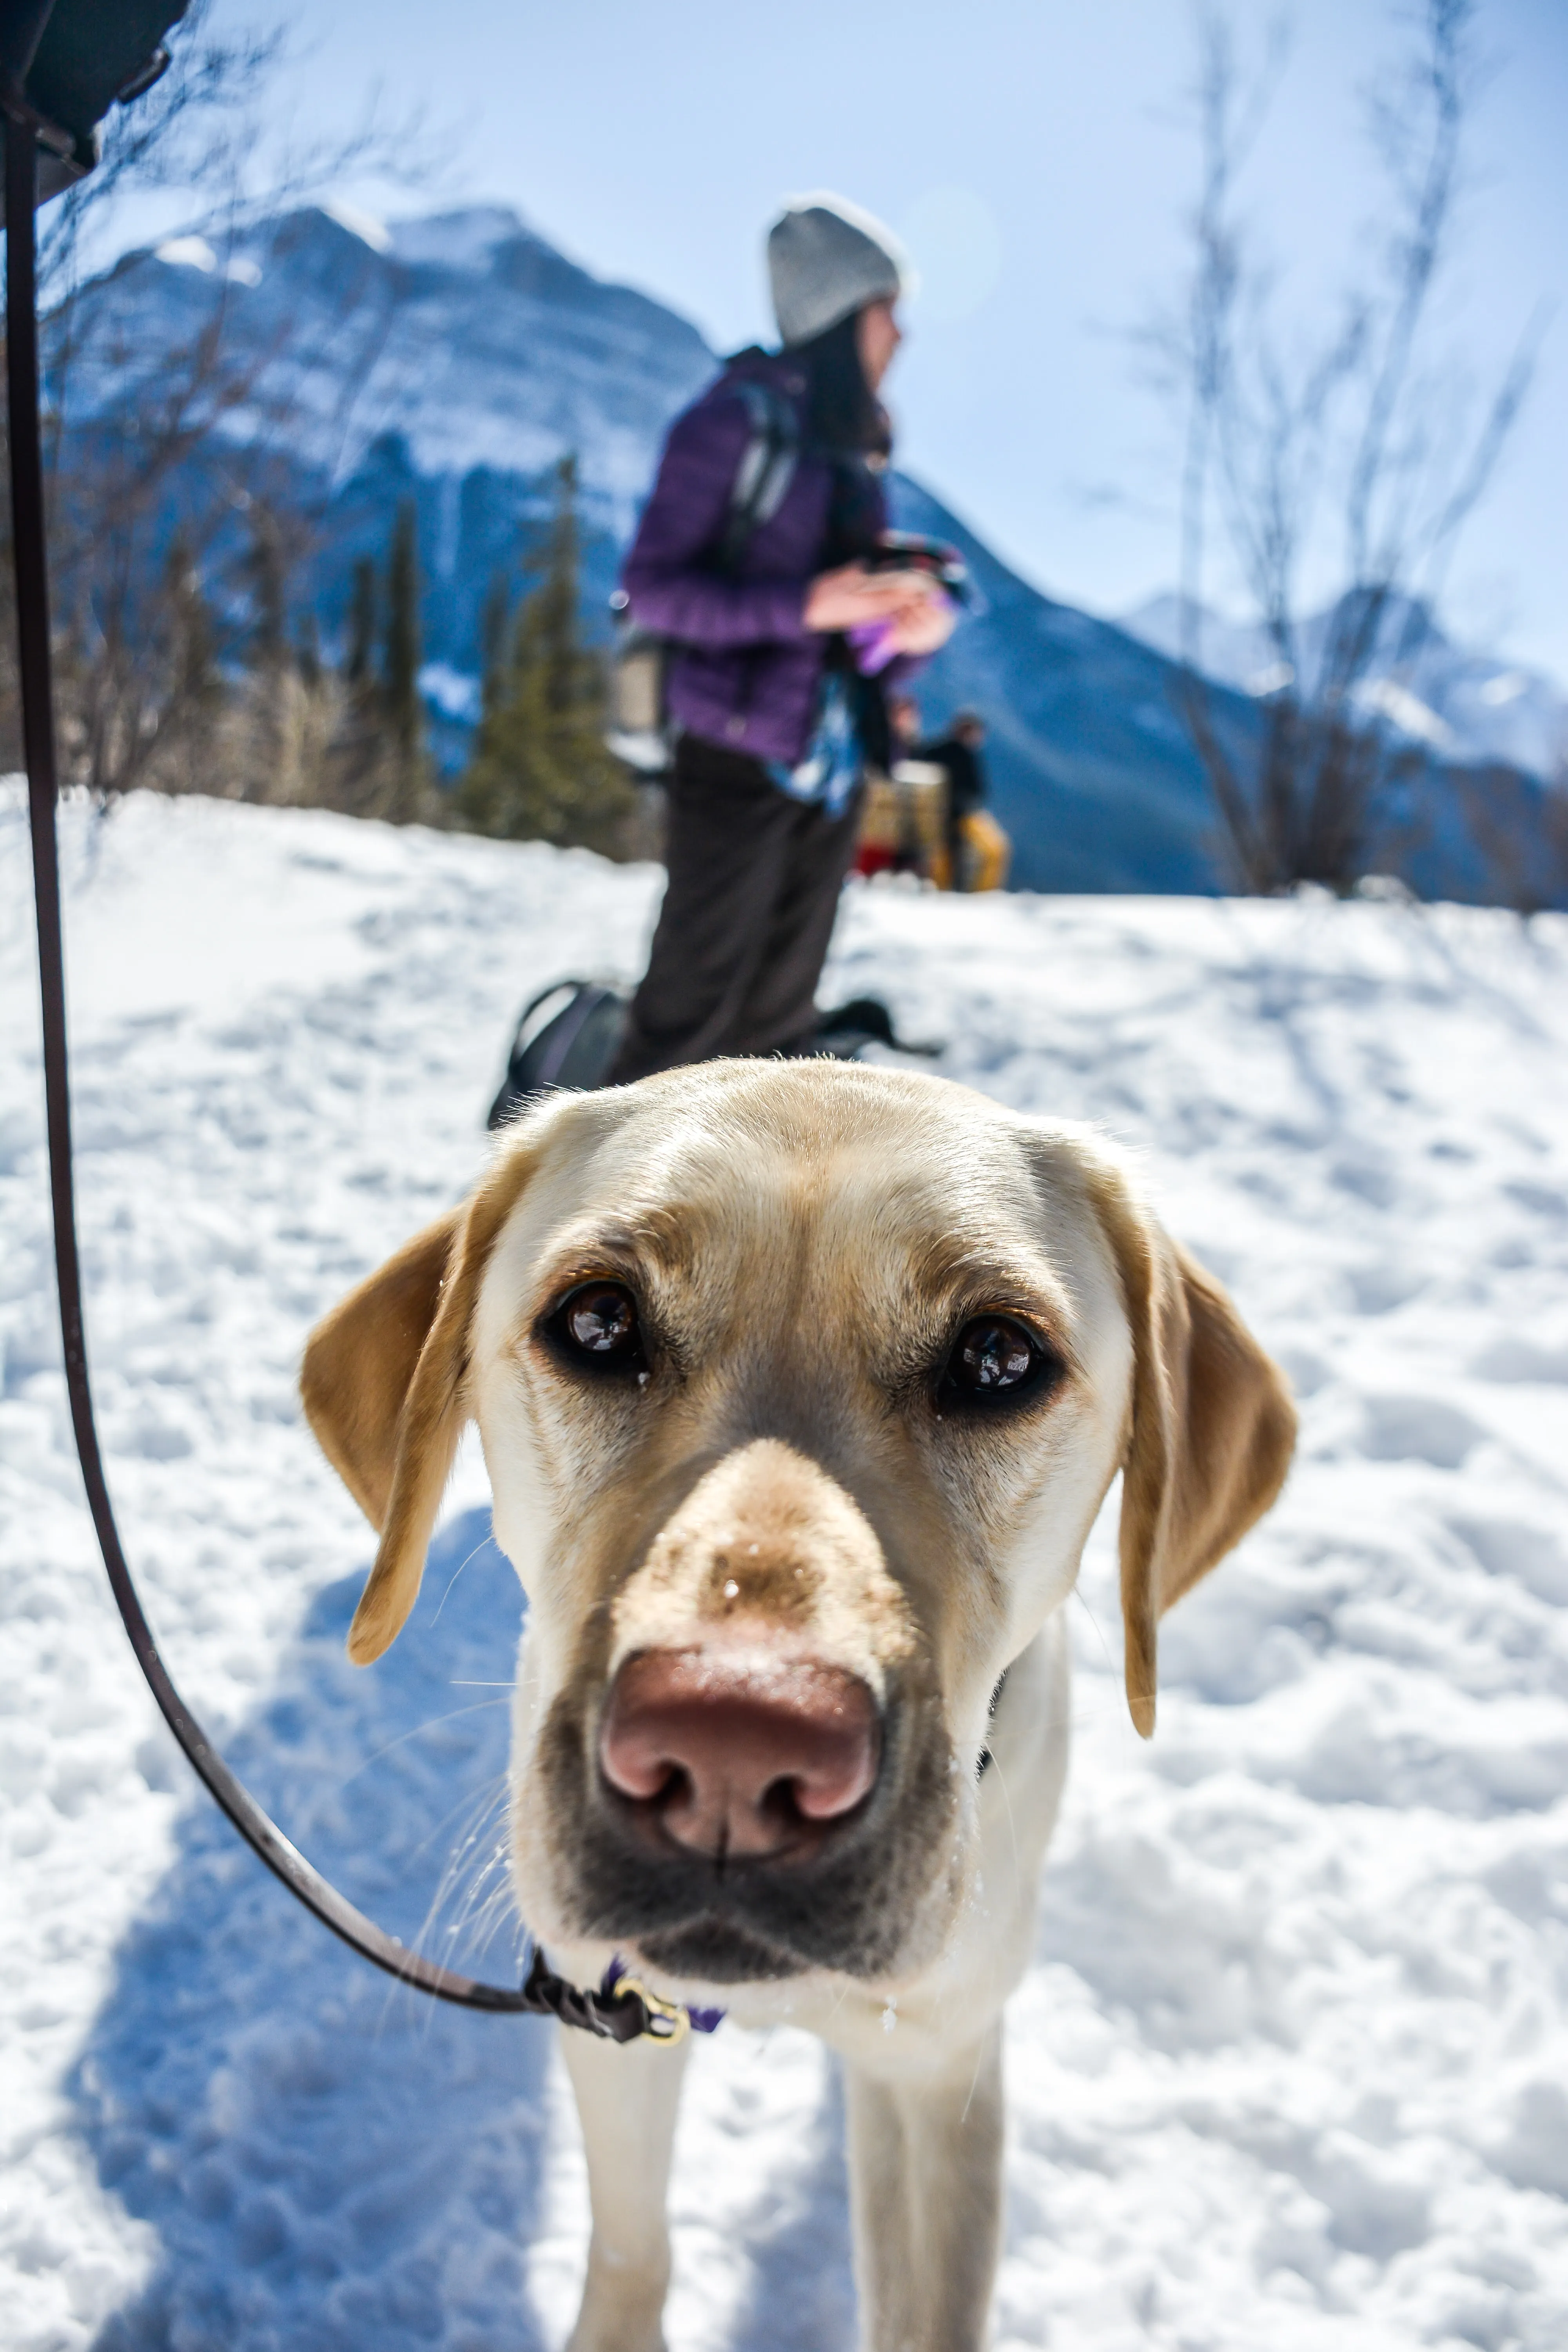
(737, 1756)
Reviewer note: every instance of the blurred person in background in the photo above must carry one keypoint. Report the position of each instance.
(957, 755)
(978, 853)
(778, 680)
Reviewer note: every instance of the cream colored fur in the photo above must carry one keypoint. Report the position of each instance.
(805, 1239)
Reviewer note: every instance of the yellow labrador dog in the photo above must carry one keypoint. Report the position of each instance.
(800, 1386)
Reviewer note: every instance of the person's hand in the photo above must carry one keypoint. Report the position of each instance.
(851, 596)
(927, 625)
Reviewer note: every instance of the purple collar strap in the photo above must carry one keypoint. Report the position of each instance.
(701, 2021)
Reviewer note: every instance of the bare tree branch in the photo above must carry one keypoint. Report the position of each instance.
(1364, 424)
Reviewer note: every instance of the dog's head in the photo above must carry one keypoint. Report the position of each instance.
(800, 1387)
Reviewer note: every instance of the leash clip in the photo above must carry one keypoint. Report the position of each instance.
(668, 2021)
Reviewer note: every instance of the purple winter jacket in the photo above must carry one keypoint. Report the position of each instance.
(749, 671)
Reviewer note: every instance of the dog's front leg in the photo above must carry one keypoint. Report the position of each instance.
(627, 2094)
(925, 2162)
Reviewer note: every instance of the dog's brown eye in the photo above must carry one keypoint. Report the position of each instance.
(599, 1325)
(994, 1357)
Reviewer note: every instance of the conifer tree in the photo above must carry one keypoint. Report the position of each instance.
(307, 649)
(376, 764)
(495, 624)
(269, 593)
(360, 651)
(262, 757)
(408, 784)
(355, 762)
(400, 649)
(540, 769)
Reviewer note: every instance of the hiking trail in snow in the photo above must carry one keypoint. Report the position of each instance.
(1292, 2067)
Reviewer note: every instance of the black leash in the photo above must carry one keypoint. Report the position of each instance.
(621, 2009)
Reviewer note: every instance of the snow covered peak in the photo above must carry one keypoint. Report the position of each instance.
(464, 240)
(465, 332)
(1456, 700)
(367, 226)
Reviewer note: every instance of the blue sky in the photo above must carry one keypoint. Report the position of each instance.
(1032, 154)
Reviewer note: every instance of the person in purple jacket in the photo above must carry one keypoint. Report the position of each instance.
(767, 683)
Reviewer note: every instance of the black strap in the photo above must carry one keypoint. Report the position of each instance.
(570, 1025)
(765, 471)
(618, 2014)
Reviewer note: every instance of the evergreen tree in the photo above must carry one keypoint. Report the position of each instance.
(540, 769)
(408, 784)
(262, 753)
(269, 593)
(360, 651)
(375, 763)
(400, 650)
(307, 649)
(495, 622)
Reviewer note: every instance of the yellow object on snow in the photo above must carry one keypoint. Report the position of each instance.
(985, 852)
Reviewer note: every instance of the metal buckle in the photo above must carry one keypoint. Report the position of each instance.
(667, 2021)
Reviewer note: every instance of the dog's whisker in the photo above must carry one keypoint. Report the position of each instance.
(482, 1802)
(455, 1573)
(432, 1723)
(483, 1920)
(1007, 1804)
(456, 1893)
(478, 1869)
(1110, 1667)
(974, 2079)
(458, 1862)
(478, 1850)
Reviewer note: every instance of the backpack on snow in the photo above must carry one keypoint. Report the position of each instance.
(571, 1033)
(567, 1036)
(638, 732)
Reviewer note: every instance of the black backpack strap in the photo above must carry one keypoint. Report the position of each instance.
(765, 471)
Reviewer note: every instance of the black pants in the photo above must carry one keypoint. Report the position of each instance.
(754, 879)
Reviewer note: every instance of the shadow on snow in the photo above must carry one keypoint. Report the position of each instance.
(329, 2160)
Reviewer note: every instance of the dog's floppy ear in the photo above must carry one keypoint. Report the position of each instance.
(1210, 1434)
(384, 1387)
(360, 1359)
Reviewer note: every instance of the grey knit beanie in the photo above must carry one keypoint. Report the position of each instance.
(826, 258)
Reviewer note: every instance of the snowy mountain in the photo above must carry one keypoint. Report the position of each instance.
(1287, 2071)
(451, 361)
(1459, 703)
(476, 343)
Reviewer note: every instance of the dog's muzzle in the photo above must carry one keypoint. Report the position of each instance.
(740, 1821)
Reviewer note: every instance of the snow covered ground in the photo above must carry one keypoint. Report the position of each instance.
(1291, 2070)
